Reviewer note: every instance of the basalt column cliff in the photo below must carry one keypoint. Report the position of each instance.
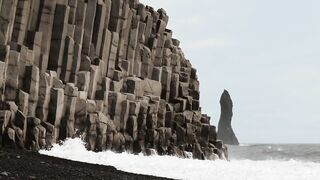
(106, 69)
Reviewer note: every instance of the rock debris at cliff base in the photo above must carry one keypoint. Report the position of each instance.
(107, 69)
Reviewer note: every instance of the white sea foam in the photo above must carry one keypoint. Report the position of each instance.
(172, 167)
(245, 145)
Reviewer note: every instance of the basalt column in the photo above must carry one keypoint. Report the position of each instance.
(106, 70)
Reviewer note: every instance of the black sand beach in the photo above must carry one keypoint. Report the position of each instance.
(15, 164)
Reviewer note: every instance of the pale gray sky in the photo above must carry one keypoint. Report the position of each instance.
(266, 53)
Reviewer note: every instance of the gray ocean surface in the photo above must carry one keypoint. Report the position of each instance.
(258, 152)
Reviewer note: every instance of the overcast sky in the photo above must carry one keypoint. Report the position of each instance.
(265, 53)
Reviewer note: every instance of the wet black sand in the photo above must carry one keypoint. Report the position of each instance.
(17, 164)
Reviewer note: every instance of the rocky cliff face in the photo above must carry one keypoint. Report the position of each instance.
(225, 131)
(107, 69)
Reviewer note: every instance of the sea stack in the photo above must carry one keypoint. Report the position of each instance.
(107, 69)
(225, 131)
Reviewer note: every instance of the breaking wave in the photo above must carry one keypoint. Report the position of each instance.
(172, 167)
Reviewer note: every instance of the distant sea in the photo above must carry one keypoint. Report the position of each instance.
(247, 162)
(280, 152)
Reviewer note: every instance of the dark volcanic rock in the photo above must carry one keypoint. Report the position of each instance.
(109, 70)
(225, 131)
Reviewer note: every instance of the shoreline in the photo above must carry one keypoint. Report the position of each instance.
(19, 164)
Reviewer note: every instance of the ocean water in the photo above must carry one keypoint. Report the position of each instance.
(281, 152)
(247, 162)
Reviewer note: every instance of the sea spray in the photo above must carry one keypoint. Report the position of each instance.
(188, 169)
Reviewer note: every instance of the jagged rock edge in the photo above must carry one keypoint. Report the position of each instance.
(87, 65)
